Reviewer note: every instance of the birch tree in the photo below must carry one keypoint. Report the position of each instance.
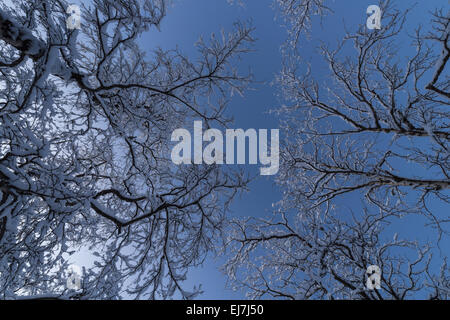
(85, 124)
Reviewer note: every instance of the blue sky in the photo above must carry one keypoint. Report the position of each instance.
(187, 20)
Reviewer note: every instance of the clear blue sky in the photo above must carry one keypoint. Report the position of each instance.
(189, 19)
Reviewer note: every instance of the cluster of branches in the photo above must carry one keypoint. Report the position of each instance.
(377, 130)
(85, 123)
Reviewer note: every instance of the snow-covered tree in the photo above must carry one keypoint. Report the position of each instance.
(374, 131)
(85, 125)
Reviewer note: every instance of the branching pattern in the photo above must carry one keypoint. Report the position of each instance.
(85, 123)
(377, 130)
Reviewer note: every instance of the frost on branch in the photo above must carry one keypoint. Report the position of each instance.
(20, 37)
(85, 123)
(366, 154)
